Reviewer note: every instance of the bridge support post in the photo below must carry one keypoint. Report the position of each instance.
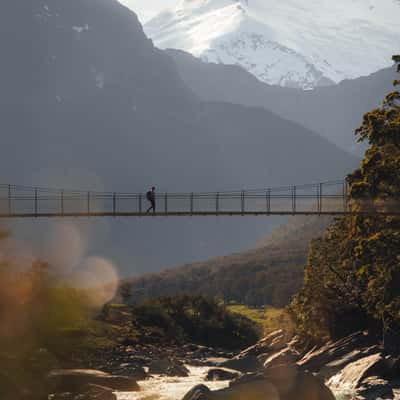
(217, 203)
(294, 189)
(242, 203)
(62, 202)
(9, 200)
(36, 202)
(114, 203)
(140, 204)
(191, 203)
(166, 203)
(320, 198)
(88, 203)
(268, 198)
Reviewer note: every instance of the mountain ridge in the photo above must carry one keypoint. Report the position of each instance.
(291, 44)
(334, 112)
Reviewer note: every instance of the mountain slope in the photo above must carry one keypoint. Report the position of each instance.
(292, 43)
(267, 275)
(88, 102)
(334, 111)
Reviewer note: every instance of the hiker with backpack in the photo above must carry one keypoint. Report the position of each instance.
(151, 197)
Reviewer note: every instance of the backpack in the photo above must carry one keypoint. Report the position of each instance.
(149, 195)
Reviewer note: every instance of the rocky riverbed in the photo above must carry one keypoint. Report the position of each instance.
(279, 366)
(160, 387)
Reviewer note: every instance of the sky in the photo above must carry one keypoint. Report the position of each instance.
(145, 9)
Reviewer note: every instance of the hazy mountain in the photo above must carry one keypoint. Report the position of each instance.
(334, 111)
(88, 102)
(295, 43)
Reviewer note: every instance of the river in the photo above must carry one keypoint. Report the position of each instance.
(172, 388)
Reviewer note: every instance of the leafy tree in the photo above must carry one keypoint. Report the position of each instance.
(352, 278)
(195, 319)
(40, 324)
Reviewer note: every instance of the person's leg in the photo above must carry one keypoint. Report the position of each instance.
(153, 206)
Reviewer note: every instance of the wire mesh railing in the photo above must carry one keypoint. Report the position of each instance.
(320, 198)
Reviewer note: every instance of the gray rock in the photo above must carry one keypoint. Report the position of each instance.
(92, 392)
(76, 380)
(244, 363)
(199, 392)
(286, 384)
(373, 388)
(329, 359)
(351, 377)
(286, 356)
(252, 358)
(221, 374)
(168, 367)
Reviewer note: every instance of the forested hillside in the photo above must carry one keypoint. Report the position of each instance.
(352, 278)
(267, 275)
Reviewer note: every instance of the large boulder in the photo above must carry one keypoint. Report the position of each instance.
(333, 356)
(248, 360)
(96, 392)
(199, 392)
(76, 380)
(91, 392)
(243, 363)
(253, 358)
(352, 376)
(283, 383)
(286, 356)
(373, 388)
(221, 374)
(131, 370)
(275, 341)
(169, 367)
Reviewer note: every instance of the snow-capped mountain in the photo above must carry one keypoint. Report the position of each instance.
(292, 43)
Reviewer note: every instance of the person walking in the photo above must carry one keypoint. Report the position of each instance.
(151, 197)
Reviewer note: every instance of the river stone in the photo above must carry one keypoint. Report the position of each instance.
(76, 380)
(97, 392)
(221, 374)
(199, 392)
(301, 386)
(252, 358)
(337, 354)
(351, 377)
(243, 363)
(285, 356)
(373, 388)
(168, 367)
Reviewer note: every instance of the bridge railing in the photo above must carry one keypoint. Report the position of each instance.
(320, 198)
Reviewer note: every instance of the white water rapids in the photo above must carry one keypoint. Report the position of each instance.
(172, 388)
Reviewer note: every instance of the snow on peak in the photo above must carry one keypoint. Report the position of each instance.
(289, 43)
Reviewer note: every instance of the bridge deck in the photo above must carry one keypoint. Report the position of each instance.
(330, 198)
(194, 214)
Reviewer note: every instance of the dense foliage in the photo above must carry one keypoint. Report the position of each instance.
(181, 319)
(352, 279)
(41, 323)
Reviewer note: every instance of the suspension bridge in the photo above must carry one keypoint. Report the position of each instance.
(327, 198)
